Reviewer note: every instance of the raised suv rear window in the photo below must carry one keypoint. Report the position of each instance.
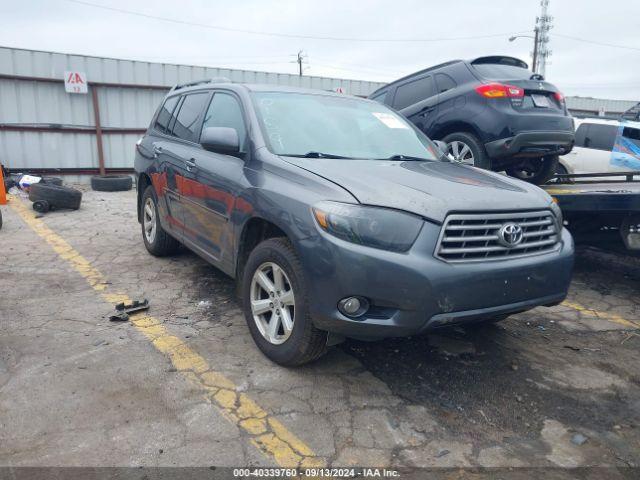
(492, 71)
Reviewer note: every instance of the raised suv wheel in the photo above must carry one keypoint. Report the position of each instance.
(275, 304)
(465, 148)
(535, 170)
(156, 239)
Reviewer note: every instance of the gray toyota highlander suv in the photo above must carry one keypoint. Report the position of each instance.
(339, 218)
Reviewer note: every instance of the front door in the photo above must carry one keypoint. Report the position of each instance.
(214, 183)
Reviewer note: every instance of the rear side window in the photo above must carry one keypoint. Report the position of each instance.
(164, 116)
(224, 111)
(601, 137)
(632, 134)
(445, 82)
(492, 71)
(413, 92)
(189, 116)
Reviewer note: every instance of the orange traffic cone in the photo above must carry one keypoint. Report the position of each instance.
(3, 193)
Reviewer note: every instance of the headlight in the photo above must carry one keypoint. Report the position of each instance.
(374, 227)
(555, 208)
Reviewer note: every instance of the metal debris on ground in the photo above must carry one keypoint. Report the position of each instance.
(123, 310)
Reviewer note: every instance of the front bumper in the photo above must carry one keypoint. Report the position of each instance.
(536, 143)
(414, 292)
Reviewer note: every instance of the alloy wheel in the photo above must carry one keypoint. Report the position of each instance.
(461, 152)
(272, 303)
(149, 220)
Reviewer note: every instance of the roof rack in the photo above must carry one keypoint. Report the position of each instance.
(201, 82)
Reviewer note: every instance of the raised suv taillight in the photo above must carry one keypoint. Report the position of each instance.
(500, 90)
(559, 97)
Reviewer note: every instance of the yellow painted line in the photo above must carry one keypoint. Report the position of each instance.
(265, 432)
(611, 317)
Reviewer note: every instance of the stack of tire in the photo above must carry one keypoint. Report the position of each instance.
(50, 194)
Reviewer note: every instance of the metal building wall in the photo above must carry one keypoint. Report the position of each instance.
(580, 106)
(128, 94)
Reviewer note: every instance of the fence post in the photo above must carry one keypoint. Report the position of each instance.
(96, 116)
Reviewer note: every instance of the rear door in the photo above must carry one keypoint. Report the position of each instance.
(168, 167)
(214, 183)
(417, 99)
(180, 154)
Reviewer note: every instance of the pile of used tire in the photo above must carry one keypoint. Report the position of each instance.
(50, 194)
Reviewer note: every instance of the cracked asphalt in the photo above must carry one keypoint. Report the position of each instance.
(551, 387)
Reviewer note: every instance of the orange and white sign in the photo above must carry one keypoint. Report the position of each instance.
(75, 82)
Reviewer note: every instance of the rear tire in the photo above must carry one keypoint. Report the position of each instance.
(467, 149)
(111, 183)
(157, 241)
(55, 195)
(535, 170)
(304, 343)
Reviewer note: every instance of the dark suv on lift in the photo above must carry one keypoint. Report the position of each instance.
(492, 112)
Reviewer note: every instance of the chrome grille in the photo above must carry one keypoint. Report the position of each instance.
(475, 237)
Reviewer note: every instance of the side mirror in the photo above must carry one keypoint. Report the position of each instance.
(220, 140)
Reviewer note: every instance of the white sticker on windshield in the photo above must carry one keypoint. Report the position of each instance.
(389, 120)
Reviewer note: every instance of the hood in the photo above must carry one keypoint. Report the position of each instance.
(429, 189)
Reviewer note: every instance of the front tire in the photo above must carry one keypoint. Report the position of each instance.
(276, 306)
(467, 149)
(535, 170)
(158, 242)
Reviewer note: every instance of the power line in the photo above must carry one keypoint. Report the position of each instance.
(285, 35)
(602, 44)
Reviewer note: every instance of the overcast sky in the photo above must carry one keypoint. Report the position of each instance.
(576, 67)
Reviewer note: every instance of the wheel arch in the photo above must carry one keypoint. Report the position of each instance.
(455, 127)
(255, 230)
(143, 182)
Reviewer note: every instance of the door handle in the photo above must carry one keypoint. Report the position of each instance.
(191, 164)
(427, 111)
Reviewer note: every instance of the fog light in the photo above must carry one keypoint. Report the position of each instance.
(353, 306)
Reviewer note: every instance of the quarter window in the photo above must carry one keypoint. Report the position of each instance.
(189, 116)
(164, 116)
(380, 97)
(445, 82)
(413, 92)
(224, 111)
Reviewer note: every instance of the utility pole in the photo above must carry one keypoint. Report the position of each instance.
(300, 59)
(534, 66)
(541, 48)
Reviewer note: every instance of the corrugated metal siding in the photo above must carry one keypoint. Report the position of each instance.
(34, 102)
(588, 104)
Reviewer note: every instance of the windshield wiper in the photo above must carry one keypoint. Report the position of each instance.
(406, 157)
(313, 155)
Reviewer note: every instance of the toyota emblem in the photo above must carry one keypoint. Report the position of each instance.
(510, 235)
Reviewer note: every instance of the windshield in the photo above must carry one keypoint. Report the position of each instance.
(312, 125)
